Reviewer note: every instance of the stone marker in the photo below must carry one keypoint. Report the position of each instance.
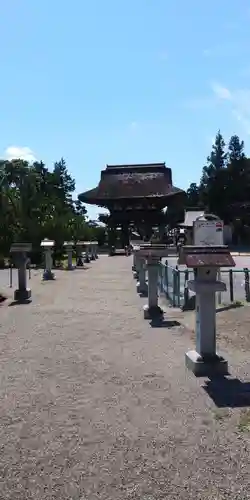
(204, 361)
(95, 245)
(135, 245)
(69, 249)
(87, 245)
(47, 246)
(20, 257)
(153, 254)
(79, 250)
(92, 250)
(141, 285)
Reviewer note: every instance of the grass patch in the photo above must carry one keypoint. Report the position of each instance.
(221, 414)
(244, 422)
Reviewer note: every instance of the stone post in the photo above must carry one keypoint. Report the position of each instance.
(136, 264)
(206, 261)
(47, 246)
(204, 360)
(79, 247)
(95, 243)
(152, 309)
(133, 264)
(153, 253)
(92, 250)
(142, 286)
(19, 251)
(87, 245)
(69, 249)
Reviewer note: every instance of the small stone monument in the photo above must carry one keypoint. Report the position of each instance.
(48, 245)
(92, 250)
(79, 250)
(95, 245)
(206, 261)
(153, 253)
(87, 245)
(20, 257)
(142, 286)
(135, 245)
(69, 249)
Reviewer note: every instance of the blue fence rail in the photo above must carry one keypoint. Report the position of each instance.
(173, 281)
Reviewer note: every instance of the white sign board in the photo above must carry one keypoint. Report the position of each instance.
(208, 232)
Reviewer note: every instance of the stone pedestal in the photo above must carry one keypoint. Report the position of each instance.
(22, 295)
(79, 250)
(152, 253)
(133, 263)
(48, 274)
(142, 286)
(87, 245)
(19, 251)
(47, 246)
(70, 266)
(69, 249)
(95, 245)
(92, 251)
(204, 361)
(152, 310)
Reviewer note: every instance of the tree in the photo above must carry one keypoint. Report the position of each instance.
(36, 203)
(212, 184)
(235, 149)
(193, 195)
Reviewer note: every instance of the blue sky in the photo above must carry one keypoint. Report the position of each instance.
(115, 81)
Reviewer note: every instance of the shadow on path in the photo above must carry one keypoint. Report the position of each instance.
(228, 392)
(164, 323)
(20, 302)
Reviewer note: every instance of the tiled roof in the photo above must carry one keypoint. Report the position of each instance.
(132, 181)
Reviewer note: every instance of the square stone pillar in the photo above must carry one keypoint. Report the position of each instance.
(48, 246)
(95, 245)
(142, 286)
(69, 249)
(92, 250)
(87, 245)
(205, 361)
(79, 250)
(206, 260)
(20, 257)
(152, 253)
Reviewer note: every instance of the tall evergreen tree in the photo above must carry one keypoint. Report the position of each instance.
(235, 149)
(213, 177)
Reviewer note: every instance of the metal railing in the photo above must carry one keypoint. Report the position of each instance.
(173, 281)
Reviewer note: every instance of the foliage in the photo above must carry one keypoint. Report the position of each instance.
(224, 188)
(36, 203)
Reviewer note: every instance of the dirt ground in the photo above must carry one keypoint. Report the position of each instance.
(95, 403)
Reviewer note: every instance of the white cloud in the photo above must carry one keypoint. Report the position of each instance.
(221, 92)
(239, 101)
(22, 153)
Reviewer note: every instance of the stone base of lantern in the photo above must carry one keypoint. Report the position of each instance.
(153, 312)
(22, 295)
(70, 268)
(206, 366)
(48, 275)
(79, 262)
(142, 289)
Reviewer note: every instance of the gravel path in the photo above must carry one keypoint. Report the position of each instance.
(97, 404)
